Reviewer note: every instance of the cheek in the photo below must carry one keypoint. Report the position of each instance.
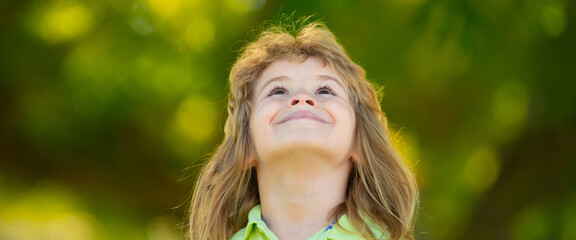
(265, 113)
(262, 117)
(343, 113)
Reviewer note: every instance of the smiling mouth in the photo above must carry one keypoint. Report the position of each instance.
(302, 115)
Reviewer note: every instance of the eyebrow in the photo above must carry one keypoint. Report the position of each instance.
(337, 80)
(275, 79)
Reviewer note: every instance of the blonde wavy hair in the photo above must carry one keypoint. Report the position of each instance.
(381, 187)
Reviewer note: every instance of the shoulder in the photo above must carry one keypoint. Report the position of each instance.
(346, 230)
(240, 235)
(255, 229)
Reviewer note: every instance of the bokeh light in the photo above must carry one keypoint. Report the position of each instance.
(109, 108)
(64, 20)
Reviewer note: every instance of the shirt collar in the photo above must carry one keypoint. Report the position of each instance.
(345, 230)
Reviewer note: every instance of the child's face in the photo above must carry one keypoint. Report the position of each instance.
(301, 107)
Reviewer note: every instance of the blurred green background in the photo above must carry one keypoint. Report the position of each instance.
(108, 108)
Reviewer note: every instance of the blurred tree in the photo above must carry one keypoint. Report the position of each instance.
(104, 103)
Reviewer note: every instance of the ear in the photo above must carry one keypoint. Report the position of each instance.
(354, 156)
(250, 161)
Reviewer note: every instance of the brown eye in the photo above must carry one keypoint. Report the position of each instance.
(326, 90)
(278, 91)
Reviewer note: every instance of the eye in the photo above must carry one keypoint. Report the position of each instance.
(278, 90)
(326, 90)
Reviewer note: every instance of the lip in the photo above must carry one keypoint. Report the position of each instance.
(302, 115)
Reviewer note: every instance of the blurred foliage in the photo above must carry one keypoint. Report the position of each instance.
(104, 103)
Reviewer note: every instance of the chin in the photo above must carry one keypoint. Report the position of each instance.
(297, 138)
(311, 145)
(332, 153)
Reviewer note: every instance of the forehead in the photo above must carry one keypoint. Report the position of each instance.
(299, 63)
(298, 68)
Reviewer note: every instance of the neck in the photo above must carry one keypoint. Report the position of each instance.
(297, 195)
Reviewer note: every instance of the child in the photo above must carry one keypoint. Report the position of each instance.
(306, 153)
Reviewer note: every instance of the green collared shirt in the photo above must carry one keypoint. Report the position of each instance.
(256, 229)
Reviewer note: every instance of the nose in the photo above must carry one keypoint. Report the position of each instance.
(303, 98)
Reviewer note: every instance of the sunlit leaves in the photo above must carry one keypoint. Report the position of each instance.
(193, 125)
(63, 20)
(510, 104)
(553, 20)
(482, 169)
